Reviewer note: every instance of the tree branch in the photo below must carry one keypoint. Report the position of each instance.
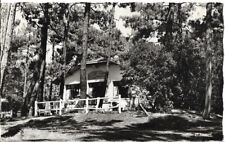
(55, 30)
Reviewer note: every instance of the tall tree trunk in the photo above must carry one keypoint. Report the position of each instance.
(179, 21)
(44, 38)
(30, 83)
(42, 83)
(24, 107)
(51, 81)
(65, 44)
(209, 32)
(169, 24)
(35, 90)
(106, 81)
(7, 25)
(83, 77)
(168, 39)
(39, 82)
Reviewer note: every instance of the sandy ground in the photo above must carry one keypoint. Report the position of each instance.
(127, 126)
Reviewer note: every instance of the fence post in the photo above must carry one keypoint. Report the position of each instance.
(86, 105)
(60, 107)
(111, 105)
(35, 108)
(98, 100)
(11, 113)
(119, 104)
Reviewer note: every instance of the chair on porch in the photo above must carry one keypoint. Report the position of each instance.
(46, 110)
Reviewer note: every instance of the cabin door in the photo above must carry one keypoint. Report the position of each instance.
(97, 89)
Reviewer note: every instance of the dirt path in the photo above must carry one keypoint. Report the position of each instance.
(131, 126)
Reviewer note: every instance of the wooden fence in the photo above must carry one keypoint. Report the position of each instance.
(6, 114)
(59, 107)
(48, 107)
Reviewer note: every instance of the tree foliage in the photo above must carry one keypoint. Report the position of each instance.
(183, 41)
(172, 71)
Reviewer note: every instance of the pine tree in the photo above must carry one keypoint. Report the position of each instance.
(111, 34)
(209, 32)
(83, 77)
(8, 12)
(41, 65)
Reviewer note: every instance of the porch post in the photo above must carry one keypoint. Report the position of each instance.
(109, 90)
(35, 108)
(87, 88)
(98, 100)
(86, 109)
(119, 103)
(65, 93)
(60, 107)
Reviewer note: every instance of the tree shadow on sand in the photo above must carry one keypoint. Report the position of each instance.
(56, 123)
(168, 127)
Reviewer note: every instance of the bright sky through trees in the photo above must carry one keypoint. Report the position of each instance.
(198, 12)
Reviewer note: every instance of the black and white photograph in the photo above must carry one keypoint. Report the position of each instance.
(111, 71)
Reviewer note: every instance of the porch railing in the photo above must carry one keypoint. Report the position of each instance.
(58, 107)
(48, 107)
(6, 114)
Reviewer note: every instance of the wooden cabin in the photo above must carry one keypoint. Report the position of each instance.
(95, 71)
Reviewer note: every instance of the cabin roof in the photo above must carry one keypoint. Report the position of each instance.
(77, 67)
(99, 61)
(91, 62)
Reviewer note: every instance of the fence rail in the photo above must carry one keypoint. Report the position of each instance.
(58, 107)
(6, 114)
(48, 107)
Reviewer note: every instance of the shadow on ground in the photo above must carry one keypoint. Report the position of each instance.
(182, 126)
(166, 128)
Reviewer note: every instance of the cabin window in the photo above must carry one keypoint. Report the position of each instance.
(122, 90)
(96, 89)
(74, 90)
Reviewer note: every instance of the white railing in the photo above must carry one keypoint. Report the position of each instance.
(57, 107)
(6, 114)
(48, 107)
(99, 103)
